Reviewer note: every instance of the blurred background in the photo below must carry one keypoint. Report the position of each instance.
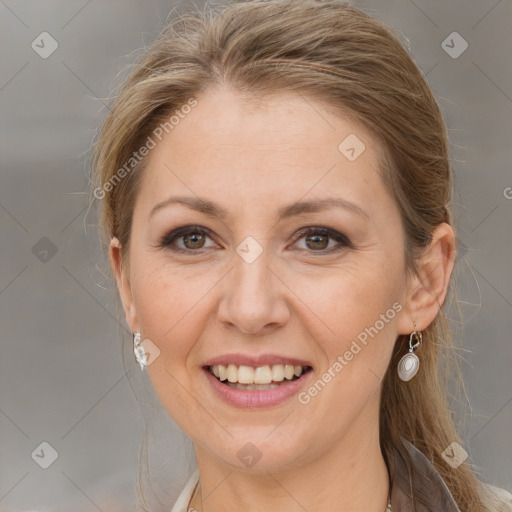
(72, 401)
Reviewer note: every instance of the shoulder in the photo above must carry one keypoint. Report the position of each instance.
(496, 498)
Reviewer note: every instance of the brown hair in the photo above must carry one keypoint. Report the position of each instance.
(337, 54)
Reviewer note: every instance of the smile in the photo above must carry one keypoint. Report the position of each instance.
(261, 386)
(259, 378)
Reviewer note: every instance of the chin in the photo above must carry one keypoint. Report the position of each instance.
(256, 450)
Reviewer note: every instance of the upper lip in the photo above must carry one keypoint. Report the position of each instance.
(255, 361)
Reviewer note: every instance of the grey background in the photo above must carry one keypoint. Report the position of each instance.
(62, 378)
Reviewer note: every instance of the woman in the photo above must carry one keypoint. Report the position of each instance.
(274, 182)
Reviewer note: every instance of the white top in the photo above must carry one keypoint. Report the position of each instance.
(186, 494)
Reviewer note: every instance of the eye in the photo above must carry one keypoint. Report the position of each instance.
(317, 239)
(193, 238)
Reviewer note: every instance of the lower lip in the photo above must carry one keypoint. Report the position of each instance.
(256, 399)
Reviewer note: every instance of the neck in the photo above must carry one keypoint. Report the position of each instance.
(350, 476)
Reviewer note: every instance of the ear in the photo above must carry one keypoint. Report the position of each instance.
(123, 284)
(428, 288)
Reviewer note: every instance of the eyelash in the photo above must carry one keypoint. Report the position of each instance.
(343, 241)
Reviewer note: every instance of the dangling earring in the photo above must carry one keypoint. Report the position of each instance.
(138, 350)
(409, 365)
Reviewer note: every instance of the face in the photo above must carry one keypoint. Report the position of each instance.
(255, 283)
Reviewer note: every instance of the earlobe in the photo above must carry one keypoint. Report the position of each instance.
(123, 284)
(428, 288)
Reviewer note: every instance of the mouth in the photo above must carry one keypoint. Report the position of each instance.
(260, 378)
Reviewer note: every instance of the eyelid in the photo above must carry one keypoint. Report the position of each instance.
(341, 238)
(165, 241)
(343, 241)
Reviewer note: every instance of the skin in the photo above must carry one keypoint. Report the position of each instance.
(295, 299)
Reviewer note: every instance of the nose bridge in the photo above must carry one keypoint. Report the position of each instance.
(251, 299)
(251, 272)
(251, 276)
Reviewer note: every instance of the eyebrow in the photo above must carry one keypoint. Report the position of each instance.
(300, 207)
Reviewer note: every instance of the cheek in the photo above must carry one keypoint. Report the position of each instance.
(353, 316)
(346, 300)
(170, 314)
(170, 310)
(167, 302)
(357, 347)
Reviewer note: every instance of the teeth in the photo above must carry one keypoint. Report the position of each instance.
(253, 387)
(263, 376)
(221, 369)
(289, 371)
(232, 373)
(246, 375)
(278, 372)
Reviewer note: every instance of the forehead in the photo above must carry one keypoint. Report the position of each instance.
(281, 148)
(281, 121)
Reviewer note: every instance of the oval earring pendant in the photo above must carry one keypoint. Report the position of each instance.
(408, 366)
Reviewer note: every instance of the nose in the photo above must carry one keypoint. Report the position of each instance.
(254, 298)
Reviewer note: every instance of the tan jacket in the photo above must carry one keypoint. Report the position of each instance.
(416, 487)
